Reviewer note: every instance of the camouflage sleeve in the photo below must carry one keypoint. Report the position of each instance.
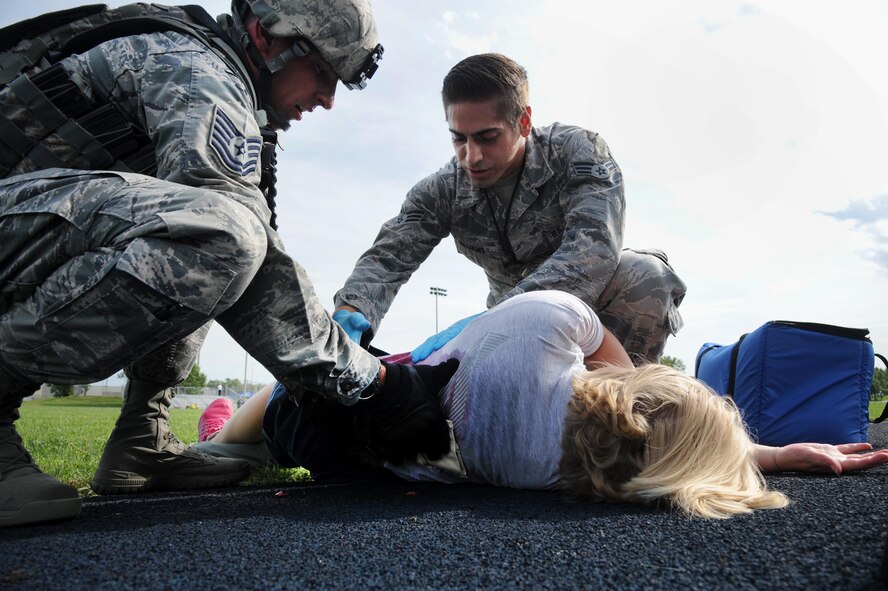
(294, 337)
(402, 245)
(593, 204)
(197, 112)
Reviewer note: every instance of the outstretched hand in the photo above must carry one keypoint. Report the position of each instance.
(822, 457)
(436, 341)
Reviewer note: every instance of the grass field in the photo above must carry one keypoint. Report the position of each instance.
(66, 436)
(876, 408)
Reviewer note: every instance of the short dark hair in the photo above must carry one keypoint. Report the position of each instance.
(487, 76)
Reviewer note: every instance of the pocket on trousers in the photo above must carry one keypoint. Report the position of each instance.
(186, 275)
(102, 330)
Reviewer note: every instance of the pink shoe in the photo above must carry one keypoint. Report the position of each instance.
(214, 418)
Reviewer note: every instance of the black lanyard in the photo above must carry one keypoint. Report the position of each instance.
(503, 234)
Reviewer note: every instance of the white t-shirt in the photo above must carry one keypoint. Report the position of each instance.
(508, 399)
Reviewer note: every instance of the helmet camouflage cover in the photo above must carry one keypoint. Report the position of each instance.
(343, 31)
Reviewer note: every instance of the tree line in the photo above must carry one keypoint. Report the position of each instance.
(197, 379)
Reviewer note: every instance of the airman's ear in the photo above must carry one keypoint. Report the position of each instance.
(524, 122)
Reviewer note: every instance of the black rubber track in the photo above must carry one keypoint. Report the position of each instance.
(404, 536)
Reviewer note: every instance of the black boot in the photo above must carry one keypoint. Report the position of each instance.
(27, 495)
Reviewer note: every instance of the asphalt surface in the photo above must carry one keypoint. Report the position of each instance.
(407, 536)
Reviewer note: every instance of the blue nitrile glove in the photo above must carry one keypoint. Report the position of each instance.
(353, 323)
(435, 342)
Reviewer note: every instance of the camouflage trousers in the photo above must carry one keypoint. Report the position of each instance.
(103, 270)
(640, 303)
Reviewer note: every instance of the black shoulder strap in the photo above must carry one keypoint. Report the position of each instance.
(125, 28)
(884, 414)
(732, 377)
(201, 16)
(11, 35)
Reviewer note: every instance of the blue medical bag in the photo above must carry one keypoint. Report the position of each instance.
(795, 381)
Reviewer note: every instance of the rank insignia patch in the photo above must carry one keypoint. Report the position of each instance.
(404, 218)
(600, 170)
(237, 153)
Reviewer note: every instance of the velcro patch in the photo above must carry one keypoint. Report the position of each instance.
(238, 153)
(600, 170)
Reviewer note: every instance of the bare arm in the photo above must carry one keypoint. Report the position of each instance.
(610, 352)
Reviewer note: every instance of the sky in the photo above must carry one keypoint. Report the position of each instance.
(752, 136)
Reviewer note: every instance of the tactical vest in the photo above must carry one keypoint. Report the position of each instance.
(45, 119)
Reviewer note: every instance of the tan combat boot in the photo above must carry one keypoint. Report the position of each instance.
(142, 453)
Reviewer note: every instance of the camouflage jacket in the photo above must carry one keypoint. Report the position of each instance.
(565, 227)
(195, 109)
(198, 112)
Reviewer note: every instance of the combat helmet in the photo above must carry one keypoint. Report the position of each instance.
(342, 31)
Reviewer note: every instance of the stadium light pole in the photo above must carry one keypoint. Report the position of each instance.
(246, 356)
(437, 291)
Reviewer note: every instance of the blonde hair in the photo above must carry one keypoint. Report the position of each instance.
(653, 434)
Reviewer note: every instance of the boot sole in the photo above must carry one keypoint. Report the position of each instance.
(115, 482)
(256, 454)
(41, 511)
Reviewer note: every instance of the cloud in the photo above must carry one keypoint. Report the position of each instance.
(871, 217)
(461, 33)
(719, 16)
(863, 212)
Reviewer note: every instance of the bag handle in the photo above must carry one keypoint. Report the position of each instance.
(884, 414)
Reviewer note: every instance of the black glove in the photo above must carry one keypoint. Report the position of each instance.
(404, 417)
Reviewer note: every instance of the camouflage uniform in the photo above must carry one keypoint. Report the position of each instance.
(98, 268)
(565, 232)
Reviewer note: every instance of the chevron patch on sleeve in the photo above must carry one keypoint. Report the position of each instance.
(237, 153)
(413, 216)
(599, 170)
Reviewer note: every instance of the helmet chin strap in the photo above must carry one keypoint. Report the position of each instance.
(263, 88)
(267, 69)
(263, 83)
